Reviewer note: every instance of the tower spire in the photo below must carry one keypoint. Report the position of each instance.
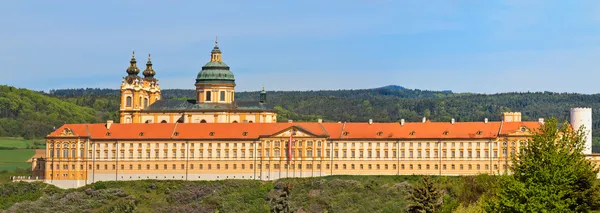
(215, 54)
(149, 71)
(133, 70)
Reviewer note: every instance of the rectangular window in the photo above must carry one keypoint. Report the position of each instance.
(207, 96)
(222, 96)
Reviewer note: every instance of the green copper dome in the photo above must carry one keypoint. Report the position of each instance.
(215, 71)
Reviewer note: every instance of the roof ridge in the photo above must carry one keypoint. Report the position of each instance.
(343, 128)
(87, 129)
(174, 129)
(323, 128)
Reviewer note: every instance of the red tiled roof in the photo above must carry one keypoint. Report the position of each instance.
(252, 131)
(510, 127)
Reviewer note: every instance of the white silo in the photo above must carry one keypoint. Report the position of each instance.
(583, 117)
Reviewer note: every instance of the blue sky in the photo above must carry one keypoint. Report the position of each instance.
(464, 46)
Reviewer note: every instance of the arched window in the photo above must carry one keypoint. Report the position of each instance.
(203, 121)
(234, 122)
(148, 121)
(163, 121)
(127, 120)
(207, 95)
(180, 120)
(128, 102)
(140, 103)
(145, 102)
(250, 122)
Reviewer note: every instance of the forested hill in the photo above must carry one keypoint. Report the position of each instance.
(385, 104)
(30, 114)
(391, 90)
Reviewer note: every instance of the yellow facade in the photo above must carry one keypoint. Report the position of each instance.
(215, 99)
(73, 161)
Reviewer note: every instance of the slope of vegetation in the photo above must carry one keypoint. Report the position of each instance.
(327, 194)
(386, 104)
(30, 114)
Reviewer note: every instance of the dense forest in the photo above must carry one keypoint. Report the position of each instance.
(385, 104)
(30, 114)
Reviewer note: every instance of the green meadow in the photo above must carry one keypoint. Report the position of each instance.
(15, 152)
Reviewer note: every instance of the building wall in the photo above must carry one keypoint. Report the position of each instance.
(267, 159)
(208, 117)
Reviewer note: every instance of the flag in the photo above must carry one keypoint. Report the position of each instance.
(290, 146)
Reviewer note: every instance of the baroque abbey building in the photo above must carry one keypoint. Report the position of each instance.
(215, 137)
(215, 98)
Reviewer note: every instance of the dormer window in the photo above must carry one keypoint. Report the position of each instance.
(479, 132)
(379, 133)
(176, 133)
(245, 134)
(446, 132)
(107, 133)
(523, 129)
(141, 133)
(412, 133)
(346, 133)
(211, 134)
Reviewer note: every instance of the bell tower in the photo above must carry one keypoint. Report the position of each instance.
(137, 93)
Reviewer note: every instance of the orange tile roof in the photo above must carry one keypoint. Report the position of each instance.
(510, 127)
(335, 131)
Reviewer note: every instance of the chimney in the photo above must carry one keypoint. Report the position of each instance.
(290, 121)
(370, 121)
(452, 121)
(401, 122)
(320, 120)
(541, 120)
(485, 120)
(108, 124)
(424, 119)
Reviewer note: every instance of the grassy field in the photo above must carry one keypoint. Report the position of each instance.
(19, 143)
(15, 158)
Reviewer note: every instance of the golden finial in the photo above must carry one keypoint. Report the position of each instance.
(216, 41)
(148, 56)
(133, 53)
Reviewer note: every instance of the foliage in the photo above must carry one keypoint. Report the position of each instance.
(279, 198)
(20, 191)
(28, 114)
(426, 197)
(386, 104)
(550, 175)
(319, 194)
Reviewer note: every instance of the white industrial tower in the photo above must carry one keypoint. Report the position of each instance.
(583, 117)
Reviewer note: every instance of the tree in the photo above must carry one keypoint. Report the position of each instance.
(551, 174)
(426, 197)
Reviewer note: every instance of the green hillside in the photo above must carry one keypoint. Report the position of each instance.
(386, 104)
(29, 114)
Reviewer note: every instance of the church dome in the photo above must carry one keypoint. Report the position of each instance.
(149, 71)
(133, 70)
(215, 71)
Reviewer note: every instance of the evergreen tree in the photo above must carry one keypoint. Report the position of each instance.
(426, 197)
(551, 174)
